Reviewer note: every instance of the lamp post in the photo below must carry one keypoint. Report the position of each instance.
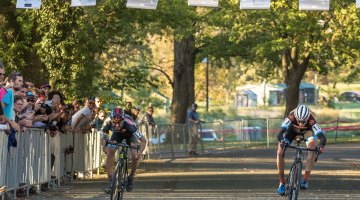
(206, 60)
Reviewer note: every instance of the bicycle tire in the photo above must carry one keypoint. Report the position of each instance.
(297, 181)
(123, 178)
(289, 183)
(293, 182)
(115, 184)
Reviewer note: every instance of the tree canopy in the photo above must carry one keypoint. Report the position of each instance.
(83, 50)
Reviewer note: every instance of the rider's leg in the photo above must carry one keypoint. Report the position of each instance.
(134, 162)
(109, 164)
(311, 143)
(280, 164)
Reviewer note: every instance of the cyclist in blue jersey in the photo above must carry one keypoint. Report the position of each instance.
(122, 127)
(299, 121)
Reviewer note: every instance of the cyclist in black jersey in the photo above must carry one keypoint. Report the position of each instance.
(299, 121)
(122, 127)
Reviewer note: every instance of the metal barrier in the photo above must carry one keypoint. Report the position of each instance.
(172, 140)
(30, 163)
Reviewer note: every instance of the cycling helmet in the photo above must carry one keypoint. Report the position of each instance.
(117, 113)
(302, 114)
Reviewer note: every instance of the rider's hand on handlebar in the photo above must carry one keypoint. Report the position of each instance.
(320, 149)
(105, 148)
(137, 156)
(284, 142)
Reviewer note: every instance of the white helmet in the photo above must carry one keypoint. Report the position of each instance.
(302, 113)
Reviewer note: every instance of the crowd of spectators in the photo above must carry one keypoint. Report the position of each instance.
(25, 106)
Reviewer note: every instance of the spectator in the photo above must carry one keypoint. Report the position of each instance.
(41, 114)
(21, 91)
(81, 119)
(28, 111)
(136, 112)
(21, 120)
(46, 88)
(193, 126)
(148, 122)
(98, 102)
(129, 110)
(77, 105)
(148, 117)
(14, 80)
(65, 116)
(30, 85)
(2, 89)
(99, 121)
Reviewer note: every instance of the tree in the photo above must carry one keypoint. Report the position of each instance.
(291, 41)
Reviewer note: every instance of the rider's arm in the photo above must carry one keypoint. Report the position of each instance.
(318, 133)
(280, 135)
(284, 126)
(322, 138)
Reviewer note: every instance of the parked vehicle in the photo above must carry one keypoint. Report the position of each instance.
(208, 135)
(154, 140)
(350, 96)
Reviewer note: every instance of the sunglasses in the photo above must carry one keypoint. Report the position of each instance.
(301, 122)
(118, 119)
(30, 100)
(1, 74)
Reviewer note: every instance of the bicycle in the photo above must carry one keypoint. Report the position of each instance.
(120, 177)
(293, 181)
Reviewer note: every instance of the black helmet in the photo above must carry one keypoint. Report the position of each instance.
(117, 113)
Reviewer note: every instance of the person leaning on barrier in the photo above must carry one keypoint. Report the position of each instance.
(80, 121)
(23, 121)
(193, 127)
(14, 80)
(299, 121)
(149, 122)
(122, 127)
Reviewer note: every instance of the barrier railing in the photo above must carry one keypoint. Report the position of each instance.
(172, 140)
(39, 158)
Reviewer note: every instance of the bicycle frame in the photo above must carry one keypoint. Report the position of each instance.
(120, 177)
(293, 181)
(119, 180)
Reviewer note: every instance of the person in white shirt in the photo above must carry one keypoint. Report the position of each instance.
(82, 118)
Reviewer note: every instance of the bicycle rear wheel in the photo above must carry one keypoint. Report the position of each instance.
(293, 182)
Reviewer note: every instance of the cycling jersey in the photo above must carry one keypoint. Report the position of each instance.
(127, 130)
(290, 128)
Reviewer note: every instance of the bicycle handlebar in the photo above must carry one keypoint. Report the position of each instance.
(123, 144)
(317, 150)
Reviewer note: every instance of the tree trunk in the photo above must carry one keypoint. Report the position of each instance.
(183, 81)
(294, 72)
(27, 61)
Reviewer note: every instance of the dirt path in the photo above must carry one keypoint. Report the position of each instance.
(247, 174)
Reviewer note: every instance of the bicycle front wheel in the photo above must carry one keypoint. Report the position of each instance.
(123, 178)
(293, 182)
(116, 184)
